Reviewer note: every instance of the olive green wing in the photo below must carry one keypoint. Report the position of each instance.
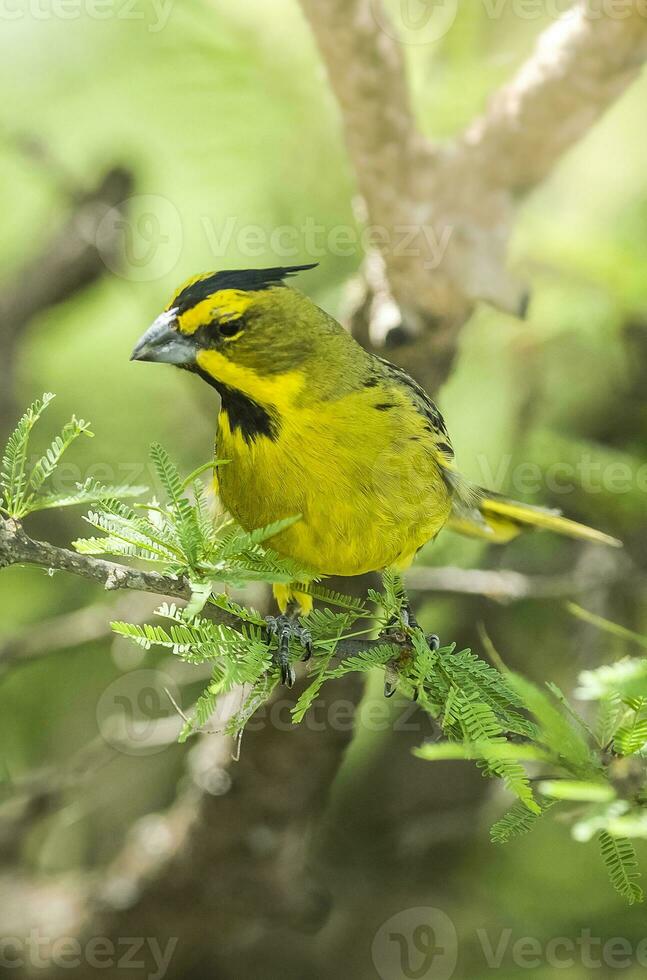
(424, 406)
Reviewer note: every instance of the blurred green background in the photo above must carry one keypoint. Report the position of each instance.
(224, 116)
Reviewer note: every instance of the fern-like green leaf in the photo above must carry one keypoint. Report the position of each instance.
(188, 526)
(517, 821)
(619, 857)
(309, 696)
(555, 730)
(480, 725)
(632, 737)
(610, 713)
(48, 462)
(239, 541)
(202, 712)
(476, 678)
(89, 492)
(13, 467)
(326, 625)
(222, 601)
(124, 536)
(354, 605)
(376, 656)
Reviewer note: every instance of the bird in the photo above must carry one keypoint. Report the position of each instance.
(314, 425)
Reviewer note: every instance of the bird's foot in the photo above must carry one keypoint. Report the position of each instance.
(399, 631)
(285, 628)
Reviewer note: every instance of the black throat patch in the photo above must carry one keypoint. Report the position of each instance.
(245, 415)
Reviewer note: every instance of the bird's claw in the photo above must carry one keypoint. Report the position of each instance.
(391, 679)
(409, 621)
(285, 628)
(402, 622)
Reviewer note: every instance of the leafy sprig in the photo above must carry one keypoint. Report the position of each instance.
(533, 740)
(25, 486)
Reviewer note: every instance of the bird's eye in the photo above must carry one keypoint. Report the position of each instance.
(229, 328)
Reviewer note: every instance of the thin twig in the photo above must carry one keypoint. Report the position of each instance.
(17, 548)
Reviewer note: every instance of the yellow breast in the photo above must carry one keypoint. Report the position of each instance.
(366, 483)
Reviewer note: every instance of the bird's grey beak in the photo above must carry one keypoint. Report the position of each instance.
(163, 343)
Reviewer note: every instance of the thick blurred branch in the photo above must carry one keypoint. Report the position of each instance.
(69, 630)
(31, 797)
(71, 258)
(233, 858)
(581, 64)
(457, 201)
(506, 586)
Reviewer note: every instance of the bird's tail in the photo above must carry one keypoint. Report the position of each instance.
(483, 514)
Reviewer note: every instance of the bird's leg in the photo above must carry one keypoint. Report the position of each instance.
(408, 617)
(404, 621)
(286, 627)
(410, 622)
(398, 628)
(391, 677)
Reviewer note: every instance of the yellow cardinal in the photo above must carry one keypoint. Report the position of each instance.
(315, 425)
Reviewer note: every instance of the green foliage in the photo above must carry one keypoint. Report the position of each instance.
(632, 736)
(556, 732)
(519, 820)
(540, 747)
(24, 483)
(599, 769)
(186, 537)
(619, 857)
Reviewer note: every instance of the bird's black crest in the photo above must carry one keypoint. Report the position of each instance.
(245, 279)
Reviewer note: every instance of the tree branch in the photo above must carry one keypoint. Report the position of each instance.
(507, 586)
(17, 548)
(69, 630)
(233, 856)
(459, 200)
(579, 67)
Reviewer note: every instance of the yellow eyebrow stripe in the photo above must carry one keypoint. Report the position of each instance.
(227, 304)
